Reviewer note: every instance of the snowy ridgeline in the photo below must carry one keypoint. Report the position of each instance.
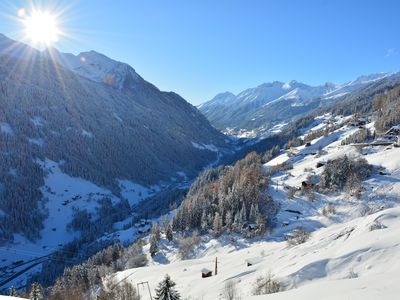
(353, 251)
(255, 111)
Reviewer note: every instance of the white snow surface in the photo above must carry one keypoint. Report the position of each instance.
(64, 194)
(343, 259)
(209, 147)
(336, 263)
(98, 67)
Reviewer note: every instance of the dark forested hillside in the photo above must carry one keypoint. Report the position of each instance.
(387, 106)
(228, 199)
(92, 130)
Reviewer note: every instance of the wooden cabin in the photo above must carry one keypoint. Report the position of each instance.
(206, 273)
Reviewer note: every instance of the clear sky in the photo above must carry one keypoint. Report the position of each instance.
(200, 48)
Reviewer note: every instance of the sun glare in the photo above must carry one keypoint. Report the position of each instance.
(41, 27)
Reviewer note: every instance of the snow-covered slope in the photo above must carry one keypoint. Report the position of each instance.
(338, 262)
(100, 68)
(353, 253)
(86, 125)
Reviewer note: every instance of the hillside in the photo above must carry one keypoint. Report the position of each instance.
(331, 220)
(353, 248)
(362, 265)
(79, 140)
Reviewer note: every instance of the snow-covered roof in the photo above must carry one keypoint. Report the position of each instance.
(205, 270)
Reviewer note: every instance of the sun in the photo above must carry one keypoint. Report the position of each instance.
(41, 28)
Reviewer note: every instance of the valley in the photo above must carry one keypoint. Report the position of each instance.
(122, 176)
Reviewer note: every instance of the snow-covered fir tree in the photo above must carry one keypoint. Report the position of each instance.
(217, 225)
(36, 293)
(166, 290)
(153, 246)
(155, 232)
(226, 199)
(169, 234)
(13, 292)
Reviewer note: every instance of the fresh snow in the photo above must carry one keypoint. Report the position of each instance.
(38, 142)
(63, 195)
(335, 263)
(134, 192)
(97, 67)
(343, 259)
(209, 147)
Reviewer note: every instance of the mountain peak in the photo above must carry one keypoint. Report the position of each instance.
(99, 68)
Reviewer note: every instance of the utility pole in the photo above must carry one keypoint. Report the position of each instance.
(148, 287)
(216, 266)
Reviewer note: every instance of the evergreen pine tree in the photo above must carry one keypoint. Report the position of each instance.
(204, 221)
(153, 246)
(229, 220)
(217, 225)
(36, 293)
(13, 292)
(166, 290)
(236, 223)
(155, 232)
(243, 215)
(169, 234)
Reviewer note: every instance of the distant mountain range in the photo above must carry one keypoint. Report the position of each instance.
(258, 110)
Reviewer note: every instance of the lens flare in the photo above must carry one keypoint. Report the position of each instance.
(21, 12)
(41, 28)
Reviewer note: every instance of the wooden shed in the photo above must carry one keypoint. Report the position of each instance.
(206, 273)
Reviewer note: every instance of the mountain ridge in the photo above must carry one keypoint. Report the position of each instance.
(100, 132)
(276, 102)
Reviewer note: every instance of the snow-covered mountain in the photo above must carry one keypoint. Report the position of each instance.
(100, 68)
(83, 132)
(259, 109)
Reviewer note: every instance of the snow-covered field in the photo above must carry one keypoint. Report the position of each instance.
(343, 259)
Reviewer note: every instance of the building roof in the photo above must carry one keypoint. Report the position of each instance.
(205, 270)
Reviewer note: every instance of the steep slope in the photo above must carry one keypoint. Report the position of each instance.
(329, 266)
(353, 250)
(273, 104)
(97, 120)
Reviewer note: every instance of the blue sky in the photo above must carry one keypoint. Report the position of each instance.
(200, 48)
